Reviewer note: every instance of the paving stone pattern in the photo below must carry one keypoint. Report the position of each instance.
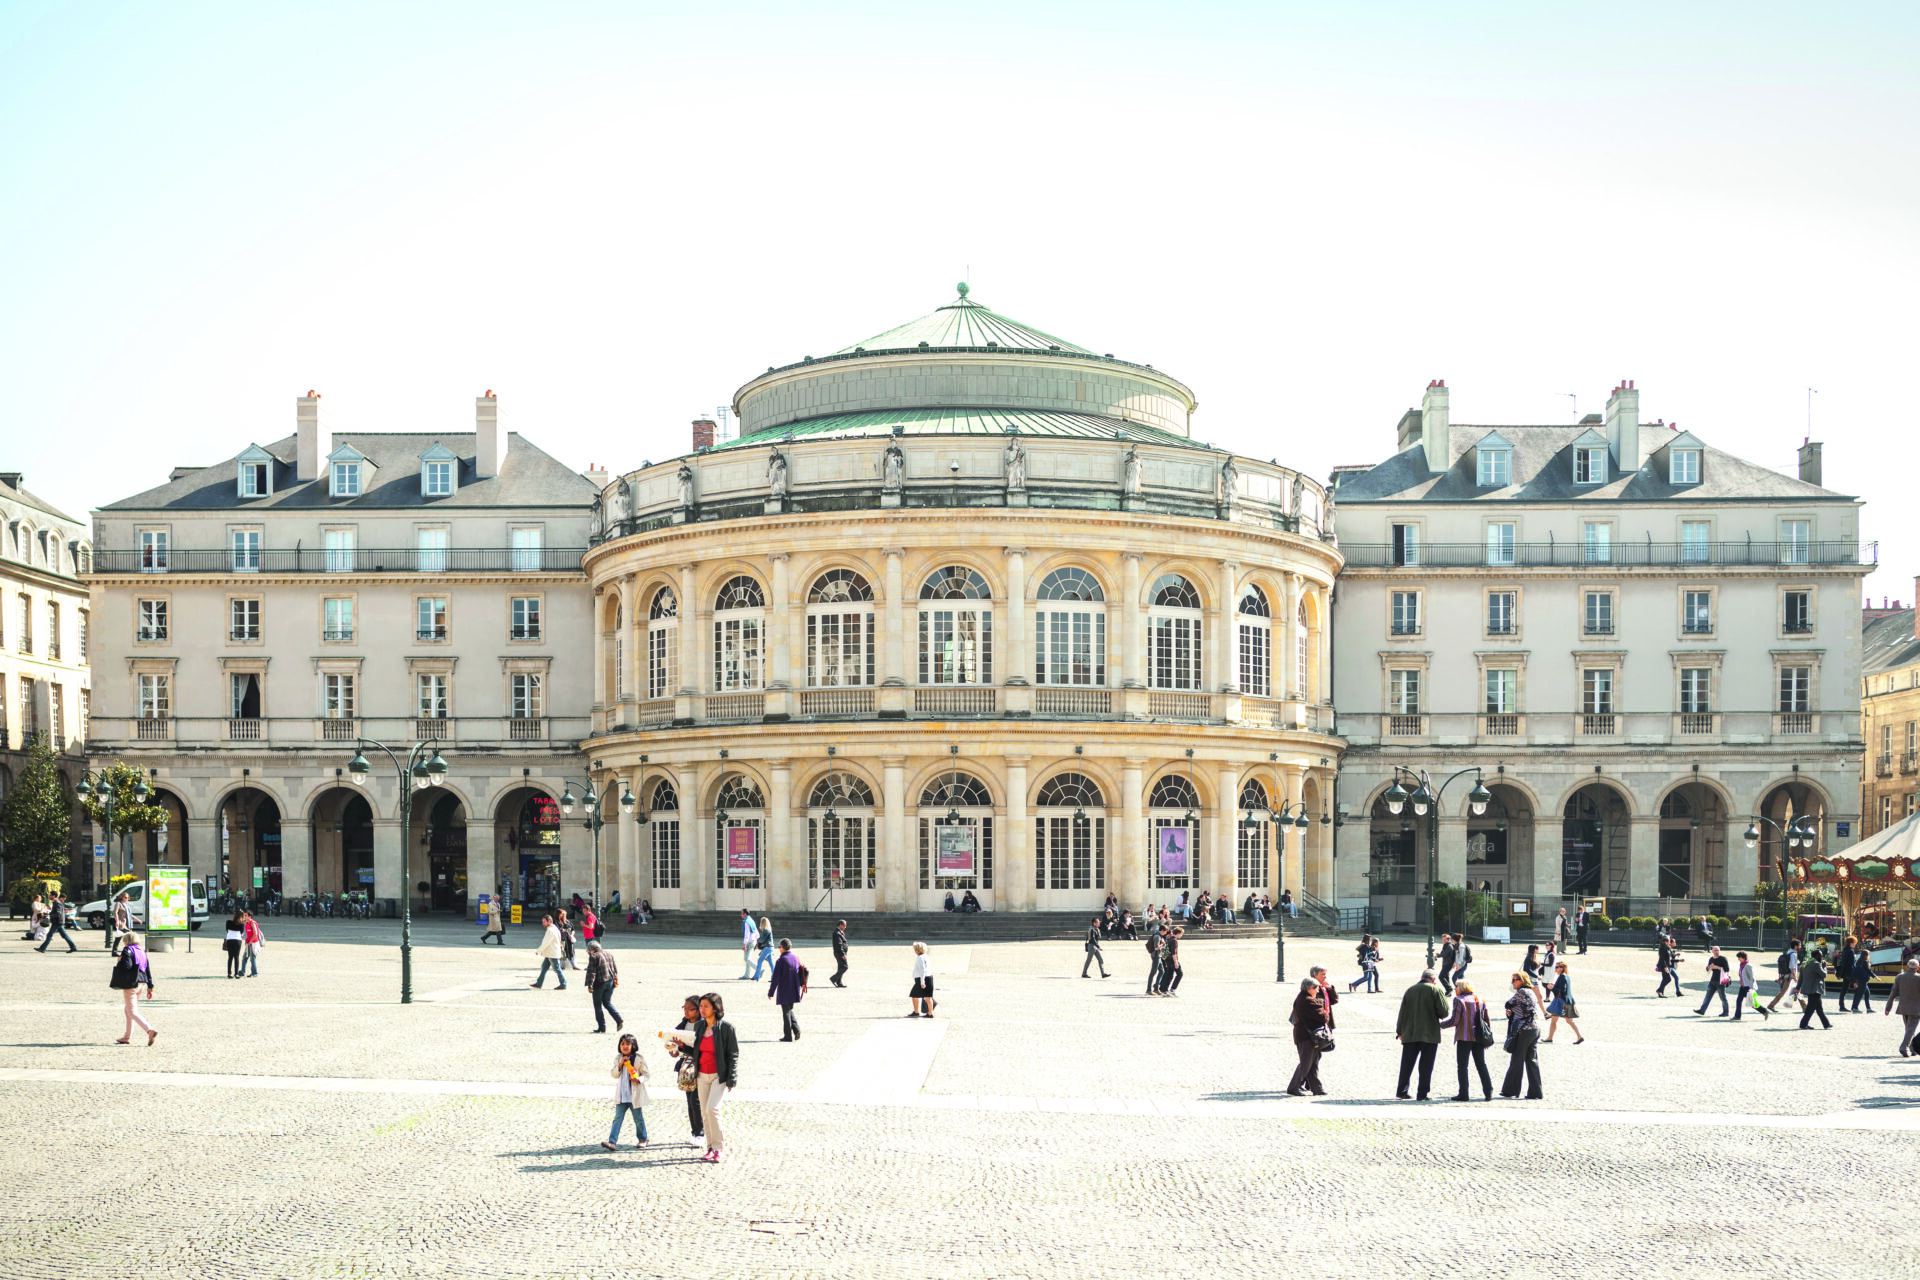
(1063, 1127)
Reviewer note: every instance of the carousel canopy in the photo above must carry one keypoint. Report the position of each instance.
(1891, 856)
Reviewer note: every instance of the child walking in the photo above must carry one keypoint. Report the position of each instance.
(629, 1093)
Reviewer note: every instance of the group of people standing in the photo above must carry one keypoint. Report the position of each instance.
(243, 942)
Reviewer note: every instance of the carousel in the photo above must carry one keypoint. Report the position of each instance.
(1874, 881)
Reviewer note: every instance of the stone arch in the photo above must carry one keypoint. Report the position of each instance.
(310, 802)
(219, 797)
(804, 783)
(1765, 790)
(1634, 807)
(1727, 802)
(511, 785)
(710, 789)
(709, 581)
(932, 562)
(810, 570)
(1097, 772)
(929, 775)
(1203, 785)
(1037, 573)
(1187, 568)
(1460, 809)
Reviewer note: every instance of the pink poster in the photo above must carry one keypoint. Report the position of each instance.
(1173, 851)
(743, 851)
(954, 854)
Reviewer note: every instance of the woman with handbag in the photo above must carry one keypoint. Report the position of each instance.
(1561, 1005)
(686, 1072)
(1311, 1039)
(1523, 1040)
(1472, 1024)
(131, 971)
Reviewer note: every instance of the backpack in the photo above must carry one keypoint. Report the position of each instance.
(126, 972)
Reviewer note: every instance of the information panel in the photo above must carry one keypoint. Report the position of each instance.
(169, 906)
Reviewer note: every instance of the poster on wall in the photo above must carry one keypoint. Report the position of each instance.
(167, 909)
(1173, 850)
(743, 851)
(953, 849)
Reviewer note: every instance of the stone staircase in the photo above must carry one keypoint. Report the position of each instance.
(816, 927)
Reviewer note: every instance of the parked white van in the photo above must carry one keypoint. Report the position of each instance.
(98, 913)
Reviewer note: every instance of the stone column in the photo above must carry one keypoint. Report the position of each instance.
(296, 856)
(1130, 626)
(690, 680)
(632, 840)
(1226, 841)
(1225, 649)
(604, 698)
(389, 879)
(1016, 862)
(897, 886)
(1321, 659)
(1643, 859)
(1017, 672)
(696, 858)
(203, 850)
(1129, 854)
(1743, 864)
(1286, 676)
(633, 632)
(480, 863)
(784, 890)
(779, 656)
(1451, 863)
(892, 695)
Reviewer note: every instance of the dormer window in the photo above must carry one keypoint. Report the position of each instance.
(346, 479)
(1685, 468)
(1495, 461)
(438, 472)
(256, 473)
(1589, 466)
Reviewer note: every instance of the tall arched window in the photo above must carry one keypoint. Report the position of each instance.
(840, 834)
(1070, 834)
(663, 831)
(956, 628)
(1255, 834)
(1070, 630)
(1174, 806)
(739, 826)
(663, 644)
(1173, 634)
(1256, 644)
(956, 820)
(739, 630)
(839, 631)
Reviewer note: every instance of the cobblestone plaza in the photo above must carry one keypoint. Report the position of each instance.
(306, 1124)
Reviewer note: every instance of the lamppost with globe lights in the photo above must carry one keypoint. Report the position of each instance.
(1281, 818)
(1802, 832)
(424, 768)
(1425, 799)
(594, 821)
(100, 782)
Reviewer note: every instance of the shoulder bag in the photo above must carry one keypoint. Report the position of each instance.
(1482, 1025)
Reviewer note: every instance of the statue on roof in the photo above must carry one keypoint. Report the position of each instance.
(1130, 472)
(1326, 519)
(777, 475)
(686, 487)
(1229, 481)
(893, 467)
(619, 504)
(1016, 467)
(1299, 487)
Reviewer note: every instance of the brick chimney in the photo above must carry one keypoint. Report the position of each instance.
(1434, 436)
(488, 444)
(311, 440)
(1623, 428)
(1810, 461)
(703, 430)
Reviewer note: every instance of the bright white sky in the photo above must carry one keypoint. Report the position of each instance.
(614, 214)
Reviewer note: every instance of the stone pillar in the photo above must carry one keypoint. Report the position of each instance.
(632, 839)
(1451, 863)
(1286, 681)
(892, 700)
(690, 677)
(604, 698)
(1130, 626)
(1643, 859)
(1226, 838)
(1225, 648)
(633, 635)
(696, 859)
(784, 890)
(1128, 854)
(1743, 864)
(1321, 659)
(898, 884)
(389, 879)
(296, 856)
(1016, 891)
(779, 655)
(480, 864)
(203, 850)
(1017, 674)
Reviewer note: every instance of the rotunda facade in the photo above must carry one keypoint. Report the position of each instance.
(965, 608)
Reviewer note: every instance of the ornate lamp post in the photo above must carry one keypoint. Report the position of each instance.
(97, 781)
(594, 821)
(1801, 832)
(421, 770)
(1283, 817)
(1426, 803)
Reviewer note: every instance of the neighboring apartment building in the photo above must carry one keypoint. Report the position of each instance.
(1889, 717)
(259, 616)
(1641, 640)
(44, 687)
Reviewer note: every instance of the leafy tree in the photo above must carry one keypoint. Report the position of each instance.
(39, 815)
(129, 813)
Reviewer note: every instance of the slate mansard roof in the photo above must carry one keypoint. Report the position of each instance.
(1888, 644)
(529, 477)
(1543, 472)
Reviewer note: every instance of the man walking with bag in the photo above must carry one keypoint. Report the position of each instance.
(839, 953)
(57, 923)
(1421, 1010)
(602, 977)
(1093, 950)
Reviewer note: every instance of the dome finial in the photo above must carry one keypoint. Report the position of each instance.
(962, 287)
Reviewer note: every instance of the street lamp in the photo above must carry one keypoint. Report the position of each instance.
(595, 820)
(100, 782)
(421, 770)
(1282, 818)
(1425, 799)
(1803, 831)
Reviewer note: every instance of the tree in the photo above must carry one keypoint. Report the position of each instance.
(129, 813)
(38, 815)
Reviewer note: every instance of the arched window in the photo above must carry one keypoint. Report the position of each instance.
(956, 834)
(1173, 634)
(663, 830)
(840, 640)
(1070, 630)
(1254, 836)
(1070, 834)
(1173, 829)
(841, 852)
(1256, 644)
(956, 628)
(739, 629)
(739, 823)
(663, 644)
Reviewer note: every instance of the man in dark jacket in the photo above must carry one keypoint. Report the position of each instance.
(1093, 950)
(1667, 962)
(1813, 986)
(1418, 1031)
(1582, 922)
(602, 978)
(57, 923)
(1447, 953)
(787, 989)
(839, 953)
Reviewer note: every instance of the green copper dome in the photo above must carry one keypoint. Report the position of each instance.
(964, 323)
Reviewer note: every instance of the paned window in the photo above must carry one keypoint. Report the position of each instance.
(338, 626)
(523, 554)
(1697, 613)
(153, 621)
(153, 550)
(431, 545)
(438, 479)
(1500, 546)
(663, 644)
(430, 618)
(1496, 467)
(1596, 691)
(1406, 613)
(1796, 689)
(1070, 834)
(1596, 543)
(1589, 466)
(1599, 613)
(663, 830)
(1797, 612)
(156, 696)
(346, 479)
(1696, 690)
(1406, 545)
(339, 544)
(526, 618)
(840, 631)
(1685, 467)
(524, 695)
(1796, 542)
(956, 628)
(337, 690)
(1256, 643)
(1502, 612)
(243, 620)
(1174, 634)
(738, 623)
(245, 544)
(1694, 546)
(430, 695)
(1503, 692)
(1070, 630)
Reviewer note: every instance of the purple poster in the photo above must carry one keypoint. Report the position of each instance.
(1173, 851)
(743, 851)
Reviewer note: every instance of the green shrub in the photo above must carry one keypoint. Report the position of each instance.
(1743, 922)
(1603, 922)
(20, 893)
(1774, 922)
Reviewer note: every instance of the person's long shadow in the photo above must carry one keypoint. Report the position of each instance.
(597, 1160)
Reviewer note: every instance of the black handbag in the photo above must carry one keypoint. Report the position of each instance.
(1323, 1040)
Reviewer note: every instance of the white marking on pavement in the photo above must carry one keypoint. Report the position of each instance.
(887, 1065)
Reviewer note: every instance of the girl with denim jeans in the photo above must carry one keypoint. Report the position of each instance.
(629, 1093)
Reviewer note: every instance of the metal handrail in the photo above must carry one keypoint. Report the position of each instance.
(317, 559)
(1460, 555)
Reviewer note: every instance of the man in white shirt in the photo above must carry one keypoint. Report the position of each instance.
(1745, 982)
(749, 940)
(550, 952)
